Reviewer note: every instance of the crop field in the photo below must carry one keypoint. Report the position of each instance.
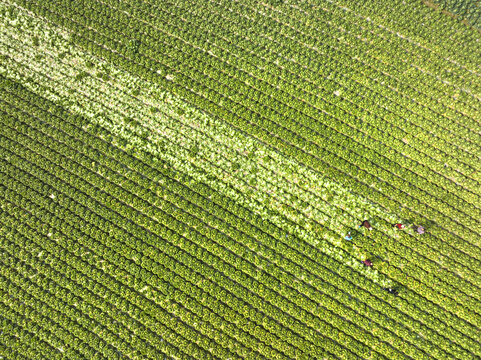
(464, 10)
(177, 180)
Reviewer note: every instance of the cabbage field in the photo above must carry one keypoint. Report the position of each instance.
(187, 179)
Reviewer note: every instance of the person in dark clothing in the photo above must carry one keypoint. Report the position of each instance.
(366, 224)
(392, 291)
(367, 262)
(399, 226)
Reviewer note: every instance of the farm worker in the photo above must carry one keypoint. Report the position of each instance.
(420, 230)
(399, 226)
(366, 224)
(391, 291)
(367, 262)
(348, 236)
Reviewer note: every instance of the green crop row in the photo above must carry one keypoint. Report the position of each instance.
(164, 195)
(455, 43)
(217, 256)
(77, 283)
(100, 222)
(333, 69)
(32, 340)
(464, 10)
(208, 258)
(431, 214)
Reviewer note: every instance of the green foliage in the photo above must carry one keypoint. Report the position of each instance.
(275, 2)
(81, 75)
(462, 10)
(89, 64)
(133, 46)
(111, 248)
(36, 41)
(194, 151)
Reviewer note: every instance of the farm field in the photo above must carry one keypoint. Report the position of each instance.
(468, 12)
(177, 180)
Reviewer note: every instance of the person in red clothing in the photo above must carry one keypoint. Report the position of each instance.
(399, 226)
(367, 262)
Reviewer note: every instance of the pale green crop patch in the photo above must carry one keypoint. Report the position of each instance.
(297, 199)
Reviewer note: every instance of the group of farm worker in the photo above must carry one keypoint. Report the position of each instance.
(365, 223)
(419, 229)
